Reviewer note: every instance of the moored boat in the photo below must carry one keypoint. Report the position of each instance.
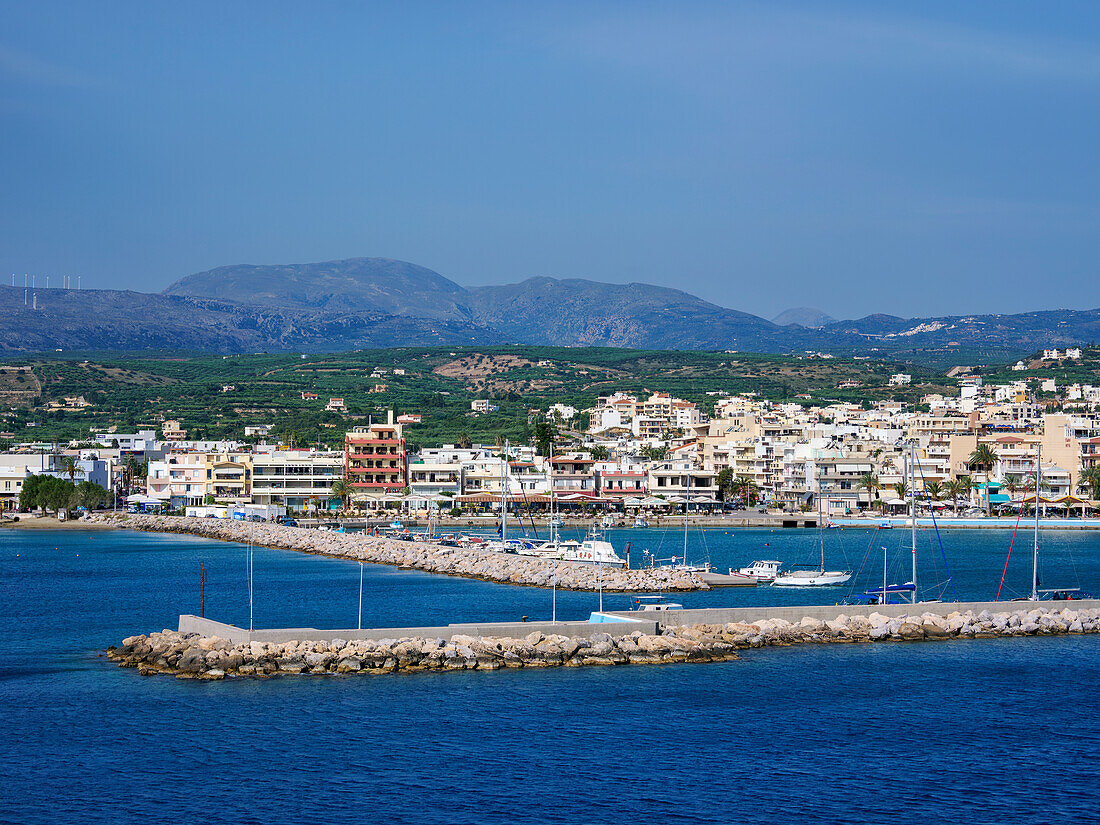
(761, 571)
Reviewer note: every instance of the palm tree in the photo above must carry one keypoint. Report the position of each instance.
(870, 483)
(953, 490)
(130, 470)
(934, 490)
(984, 458)
(1089, 482)
(1011, 483)
(966, 484)
(902, 489)
(69, 467)
(746, 488)
(340, 491)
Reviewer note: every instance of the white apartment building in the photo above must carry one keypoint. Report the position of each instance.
(300, 480)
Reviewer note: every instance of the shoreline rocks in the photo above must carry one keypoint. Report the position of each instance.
(473, 563)
(191, 656)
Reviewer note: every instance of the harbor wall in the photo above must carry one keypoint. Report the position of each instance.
(509, 630)
(826, 613)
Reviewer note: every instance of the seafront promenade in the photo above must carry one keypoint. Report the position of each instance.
(503, 568)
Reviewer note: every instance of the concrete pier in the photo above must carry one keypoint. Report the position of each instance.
(506, 630)
(828, 613)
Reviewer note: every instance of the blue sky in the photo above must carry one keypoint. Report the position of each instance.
(913, 159)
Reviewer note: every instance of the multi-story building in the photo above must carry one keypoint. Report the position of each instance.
(681, 478)
(179, 479)
(574, 474)
(375, 462)
(299, 480)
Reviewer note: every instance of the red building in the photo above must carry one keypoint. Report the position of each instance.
(374, 461)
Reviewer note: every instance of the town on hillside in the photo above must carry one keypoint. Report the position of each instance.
(971, 454)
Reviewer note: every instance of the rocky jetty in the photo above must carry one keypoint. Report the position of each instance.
(452, 561)
(210, 657)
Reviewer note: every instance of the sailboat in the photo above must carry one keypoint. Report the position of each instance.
(1037, 593)
(522, 546)
(683, 564)
(814, 578)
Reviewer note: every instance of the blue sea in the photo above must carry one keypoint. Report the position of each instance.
(997, 731)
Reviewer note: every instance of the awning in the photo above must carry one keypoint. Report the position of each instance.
(999, 498)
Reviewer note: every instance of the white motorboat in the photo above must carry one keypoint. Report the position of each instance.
(593, 550)
(651, 604)
(761, 571)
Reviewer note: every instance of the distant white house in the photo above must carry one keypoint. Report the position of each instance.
(1074, 353)
(900, 378)
(564, 412)
(1050, 355)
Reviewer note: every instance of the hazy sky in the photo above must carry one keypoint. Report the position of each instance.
(910, 158)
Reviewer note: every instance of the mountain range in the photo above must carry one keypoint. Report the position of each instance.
(365, 303)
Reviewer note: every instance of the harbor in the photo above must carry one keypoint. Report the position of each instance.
(112, 584)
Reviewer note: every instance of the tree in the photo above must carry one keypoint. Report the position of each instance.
(654, 453)
(1011, 483)
(1089, 482)
(902, 489)
(952, 491)
(966, 485)
(545, 434)
(89, 495)
(984, 458)
(341, 491)
(746, 490)
(600, 453)
(725, 482)
(870, 483)
(70, 467)
(934, 489)
(45, 492)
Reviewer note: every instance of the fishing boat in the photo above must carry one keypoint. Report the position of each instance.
(641, 522)
(813, 578)
(761, 571)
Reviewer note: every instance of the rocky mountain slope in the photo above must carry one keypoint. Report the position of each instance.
(377, 302)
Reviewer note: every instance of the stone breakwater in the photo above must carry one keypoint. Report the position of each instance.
(503, 568)
(210, 657)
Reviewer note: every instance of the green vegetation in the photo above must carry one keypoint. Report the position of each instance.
(218, 396)
(52, 493)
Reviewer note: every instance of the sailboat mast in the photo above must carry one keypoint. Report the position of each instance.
(1035, 549)
(553, 520)
(504, 493)
(820, 526)
(687, 507)
(913, 512)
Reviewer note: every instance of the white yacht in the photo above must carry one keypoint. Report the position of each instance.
(811, 578)
(595, 549)
(761, 571)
